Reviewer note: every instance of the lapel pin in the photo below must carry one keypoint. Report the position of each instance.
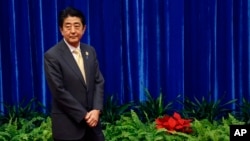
(87, 54)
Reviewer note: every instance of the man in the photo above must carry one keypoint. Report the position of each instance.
(77, 95)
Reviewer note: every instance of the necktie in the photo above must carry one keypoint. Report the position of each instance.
(80, 62)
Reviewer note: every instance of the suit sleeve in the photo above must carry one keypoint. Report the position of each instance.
(99, 87)
(61, 96)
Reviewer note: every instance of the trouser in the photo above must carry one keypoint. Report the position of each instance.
(90, 135)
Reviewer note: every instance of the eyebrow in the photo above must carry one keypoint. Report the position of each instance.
(76, 23)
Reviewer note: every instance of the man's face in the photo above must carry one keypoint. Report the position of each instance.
(73, 30)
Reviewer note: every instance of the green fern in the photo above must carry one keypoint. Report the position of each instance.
(131, 128)
(4, 136)
(214, 131)
(36, 129)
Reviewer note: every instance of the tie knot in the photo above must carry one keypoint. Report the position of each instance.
(76, 51)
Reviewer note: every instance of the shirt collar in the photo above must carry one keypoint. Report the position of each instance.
(71, 48)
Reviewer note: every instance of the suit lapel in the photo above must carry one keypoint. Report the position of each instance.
(85, 60)
(69, 59)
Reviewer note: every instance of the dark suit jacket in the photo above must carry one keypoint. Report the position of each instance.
(72, 98)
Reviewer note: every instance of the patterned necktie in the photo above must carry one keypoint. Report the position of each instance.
(80, 62)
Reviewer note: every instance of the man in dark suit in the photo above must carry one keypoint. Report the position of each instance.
(77, 96)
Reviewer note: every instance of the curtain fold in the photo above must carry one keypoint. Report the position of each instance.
(188, 48)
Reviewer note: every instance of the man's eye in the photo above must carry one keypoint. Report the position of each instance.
(77, 26)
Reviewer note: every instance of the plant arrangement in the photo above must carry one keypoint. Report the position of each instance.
(133, 129)
(126, 123)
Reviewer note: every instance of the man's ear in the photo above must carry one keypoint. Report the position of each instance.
(61, 30)
(84, 28)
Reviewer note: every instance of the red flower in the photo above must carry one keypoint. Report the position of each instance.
(174, 123)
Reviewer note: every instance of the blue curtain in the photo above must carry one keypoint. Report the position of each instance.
(174, 47)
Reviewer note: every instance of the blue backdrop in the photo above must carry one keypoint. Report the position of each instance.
(191, 48)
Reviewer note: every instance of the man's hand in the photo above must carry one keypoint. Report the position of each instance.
(92, 117)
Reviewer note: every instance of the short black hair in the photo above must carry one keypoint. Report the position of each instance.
(73, 12)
